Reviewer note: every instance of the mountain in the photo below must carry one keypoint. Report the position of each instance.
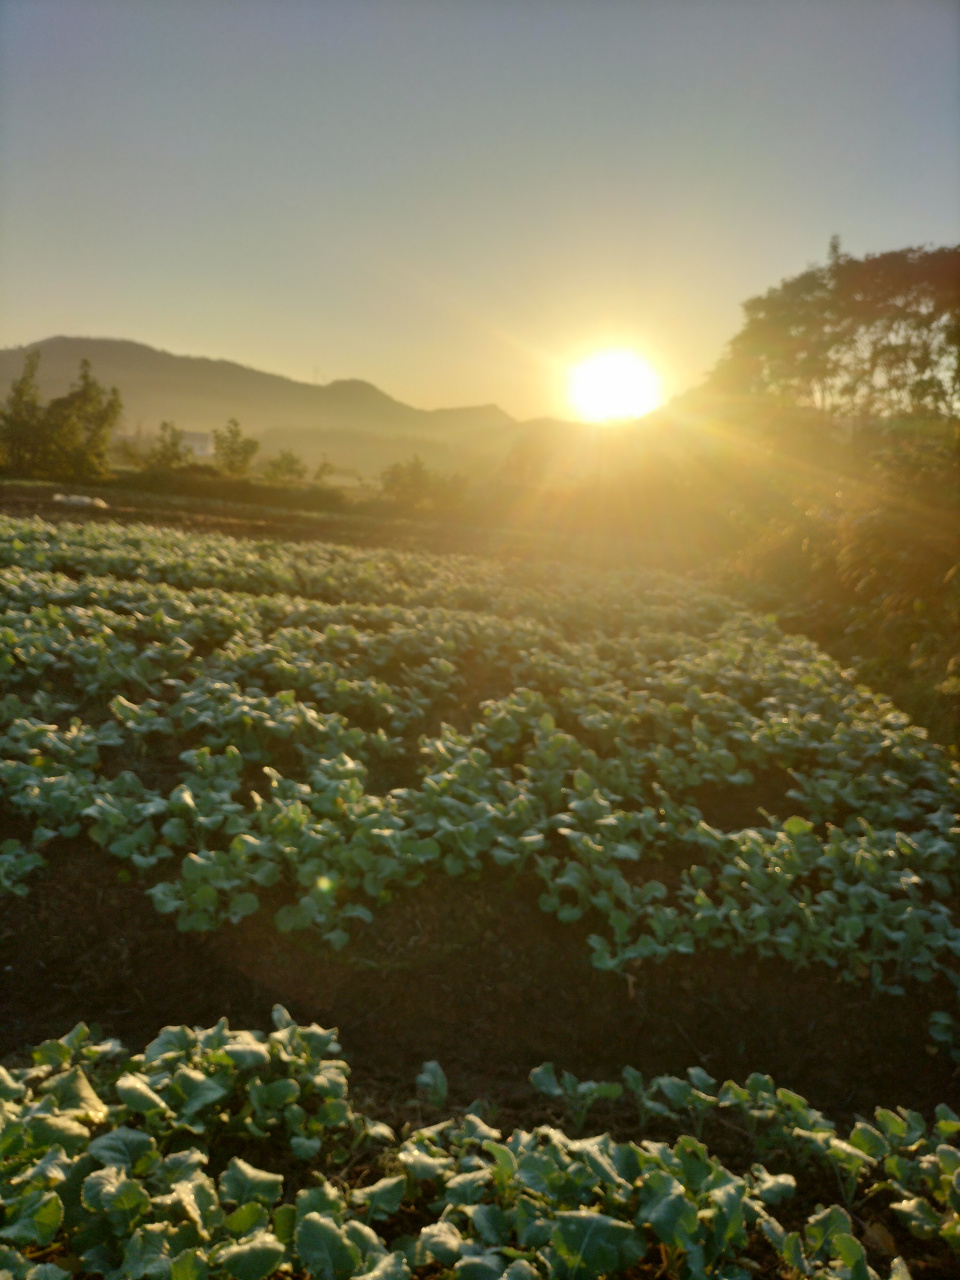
(354, 423)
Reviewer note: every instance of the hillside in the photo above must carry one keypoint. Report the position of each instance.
(353, 422)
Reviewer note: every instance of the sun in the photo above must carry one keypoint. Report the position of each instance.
(612, 386)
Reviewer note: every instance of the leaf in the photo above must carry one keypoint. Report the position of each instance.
(325, 1250)
(274, 1096)
(47, 1130)
(253, 1258)
(917, 1215)
(74, 1092)
(37, 1221)
(432, 1084)
(12, 1261)
(121, 1146)
(241, 1182)
(246, 1052)
(197, 1090)
(241, 905)
(797, 826)
(440, 1240)
(423, 1166)
(324, 1199)
(146, 1254)
(134, 1091)
(770, 1187)
(383, 1198)
(544, 1080)
(593, 1244)
(251, 1216)
(484, 1266)
(190, 1264)
(392, 1267)
(665, 1207)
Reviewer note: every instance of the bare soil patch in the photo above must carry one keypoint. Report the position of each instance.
(471, 973)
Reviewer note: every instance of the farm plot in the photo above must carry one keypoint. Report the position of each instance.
(306, 742)
(671, 770)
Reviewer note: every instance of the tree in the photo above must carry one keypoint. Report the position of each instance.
(412, 486)
(21, 420)
(877, 336)
(286, 467)
(232, 450)
(65, 439)
(80, 424)
(169, 452)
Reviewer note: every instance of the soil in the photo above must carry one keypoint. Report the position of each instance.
(469, 972)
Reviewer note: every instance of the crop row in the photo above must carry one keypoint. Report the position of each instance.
(325, 754)
(239, 1154)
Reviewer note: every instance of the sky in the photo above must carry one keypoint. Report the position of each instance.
(458, 199)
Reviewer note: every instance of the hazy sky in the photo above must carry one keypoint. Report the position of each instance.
(455, 198)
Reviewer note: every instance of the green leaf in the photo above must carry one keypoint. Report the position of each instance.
(664, 1206)
(392, 1267)
(47, 1271)
(196, 1091)
(147, 1254)
(917, 1215)
(325, 1250)
(253, 1258)
(423, 1166)
(13, 1261)
(305, 1148)
(383, 1198)
(274, 1096)
(869, 1140)
(324, 1199)
(241, 905)
(121, 1146)
(134, 1091)
(251, 1216)
(285, 1222)
(190, 1264)
(772, 1188)
(241, 1182)
(37, 1219)
(432, 1084)
(246, 1052)
(544, 1080)
(74, 1092)
(797, 826)
(47, 1130)
(440, 1240)
(484, 1266)
(593, 1244)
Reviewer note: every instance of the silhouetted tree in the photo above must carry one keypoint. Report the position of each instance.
(169, 452)
(65, 439)
(286, 467)
(877, 336)
(412, 486)
(232, 450)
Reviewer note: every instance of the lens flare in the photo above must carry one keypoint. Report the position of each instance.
(612, 386)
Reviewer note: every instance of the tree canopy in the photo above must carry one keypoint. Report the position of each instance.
(65, 439)
(868, 337)
(232, 450)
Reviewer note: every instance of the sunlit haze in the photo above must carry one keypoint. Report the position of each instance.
(453, 200)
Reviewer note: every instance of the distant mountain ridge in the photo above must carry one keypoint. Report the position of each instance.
(351, 421)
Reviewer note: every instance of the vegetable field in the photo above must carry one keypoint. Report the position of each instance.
(296, 752)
